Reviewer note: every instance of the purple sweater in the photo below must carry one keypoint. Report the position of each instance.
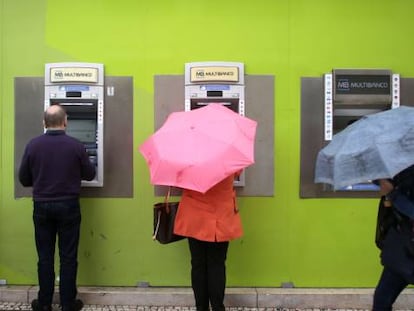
(54, 165)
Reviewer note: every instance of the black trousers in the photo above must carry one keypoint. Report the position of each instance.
(208, 273)
(388, 289)
(57, 219)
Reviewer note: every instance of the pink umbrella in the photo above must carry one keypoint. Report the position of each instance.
(199, 148)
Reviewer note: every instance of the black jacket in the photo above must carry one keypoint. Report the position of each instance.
(394, 235)
(54, 164)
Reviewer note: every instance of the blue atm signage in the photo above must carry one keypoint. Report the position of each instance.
(362, 84)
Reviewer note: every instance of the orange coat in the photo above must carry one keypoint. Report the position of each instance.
(211, 216)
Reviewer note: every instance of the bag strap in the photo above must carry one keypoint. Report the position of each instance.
(167, 199)
(157, 227)
(167, 208)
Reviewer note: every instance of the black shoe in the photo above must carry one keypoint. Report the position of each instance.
(37, 307)
(75, 306)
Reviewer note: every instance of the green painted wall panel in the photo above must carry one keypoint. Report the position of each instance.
(313, 242)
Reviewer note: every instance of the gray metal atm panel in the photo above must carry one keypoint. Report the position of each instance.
(260, 103)
(312, 137)
(118, 133)
(28, 121)
(169, 97)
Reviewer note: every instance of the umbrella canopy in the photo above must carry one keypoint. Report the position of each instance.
(199, 148)
(376, 146)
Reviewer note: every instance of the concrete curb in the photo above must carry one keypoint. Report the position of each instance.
(289, 298)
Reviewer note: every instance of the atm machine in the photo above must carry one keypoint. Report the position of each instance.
(215, 82)
(79, 88)
(352, 93)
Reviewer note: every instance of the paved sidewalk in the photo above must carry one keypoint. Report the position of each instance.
(21, 306)
(181, 298)
(25, 306)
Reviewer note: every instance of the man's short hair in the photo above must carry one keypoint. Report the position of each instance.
(54, 116)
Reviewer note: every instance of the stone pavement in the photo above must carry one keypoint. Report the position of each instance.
(23, 306)
(20, 306)
(181, 299)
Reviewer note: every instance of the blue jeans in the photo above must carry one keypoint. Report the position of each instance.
(208, 273)
(389, 287)
(61, 219)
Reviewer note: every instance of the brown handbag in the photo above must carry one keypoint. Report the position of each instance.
(164, 218)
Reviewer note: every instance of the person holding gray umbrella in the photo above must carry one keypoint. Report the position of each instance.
(396, 238)
(377, 146)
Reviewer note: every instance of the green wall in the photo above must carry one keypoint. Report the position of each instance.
(312, 242)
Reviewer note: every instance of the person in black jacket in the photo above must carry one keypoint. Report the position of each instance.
(395, 238)
(54, 165)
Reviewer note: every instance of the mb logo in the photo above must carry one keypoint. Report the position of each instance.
(200, 74)
(58, 74)
(343, 85)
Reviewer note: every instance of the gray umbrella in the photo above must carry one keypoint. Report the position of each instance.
(376, 146)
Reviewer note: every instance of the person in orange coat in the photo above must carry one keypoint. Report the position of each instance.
(210, 221)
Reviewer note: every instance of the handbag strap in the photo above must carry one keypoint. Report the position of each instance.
(166, 200)
(157, 227)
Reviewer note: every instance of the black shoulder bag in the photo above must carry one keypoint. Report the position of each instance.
(163, 219)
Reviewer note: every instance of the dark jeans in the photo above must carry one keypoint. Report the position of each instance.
(208, 273)
(389, 287)
(61, 219)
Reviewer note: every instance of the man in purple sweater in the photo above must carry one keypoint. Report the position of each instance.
(54, 165)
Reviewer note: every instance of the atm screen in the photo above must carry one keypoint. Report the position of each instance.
(84, 130)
